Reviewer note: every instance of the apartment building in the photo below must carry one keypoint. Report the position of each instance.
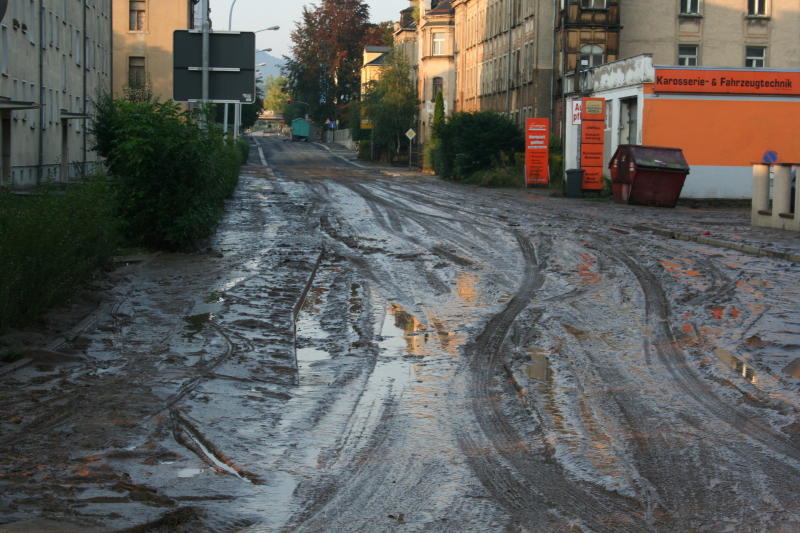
(142, 44)
(504, 56)
(719, 33)
(55, 59)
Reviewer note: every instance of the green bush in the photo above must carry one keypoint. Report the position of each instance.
(171, 175)
(50, 242)
(476, 141)
(505, 176)
(556, 162)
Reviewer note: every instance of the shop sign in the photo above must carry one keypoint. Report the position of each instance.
(593, 122)
(755, 81)
(537, 151)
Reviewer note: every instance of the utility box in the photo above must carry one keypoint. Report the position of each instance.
(648, 175)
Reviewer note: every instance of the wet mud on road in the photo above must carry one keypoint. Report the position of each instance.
(359, 350)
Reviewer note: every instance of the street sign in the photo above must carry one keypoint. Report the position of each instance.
(366, 124)
(411, 134)
(232, 64)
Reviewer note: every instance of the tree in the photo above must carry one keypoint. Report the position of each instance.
(325, 64)
(391, 103)
(276, 95)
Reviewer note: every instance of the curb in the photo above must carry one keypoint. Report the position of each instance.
(744, 248)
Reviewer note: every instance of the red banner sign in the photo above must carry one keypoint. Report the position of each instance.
(754, 81)
(537, 151)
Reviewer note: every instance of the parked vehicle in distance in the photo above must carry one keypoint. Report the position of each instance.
(301, 129)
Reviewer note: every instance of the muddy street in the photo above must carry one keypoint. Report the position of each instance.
(369, 349)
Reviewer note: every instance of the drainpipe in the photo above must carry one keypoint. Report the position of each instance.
(83, 104)
(510, 46)
(40, 149)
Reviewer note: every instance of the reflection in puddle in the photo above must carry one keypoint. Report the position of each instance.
(539, 367)
(190, 472)
(737, 365)
(196, 323)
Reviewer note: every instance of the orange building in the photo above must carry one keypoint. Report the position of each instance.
(724, 119)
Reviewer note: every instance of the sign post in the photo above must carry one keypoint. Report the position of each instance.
(593, 124)
(410, 134)
(537, 151)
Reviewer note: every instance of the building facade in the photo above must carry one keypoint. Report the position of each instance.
(142, 44)
(504, 57)
(55, 60)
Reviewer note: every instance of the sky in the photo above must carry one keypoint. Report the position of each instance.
(253, 15)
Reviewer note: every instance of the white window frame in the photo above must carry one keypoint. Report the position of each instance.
(593, 4)
(592, 54)
(438, 41)
(748, 57)
(690, 7)
(757, 8)
(689, 57)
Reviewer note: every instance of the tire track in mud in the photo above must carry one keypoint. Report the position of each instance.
(666, 348)
(530, 486)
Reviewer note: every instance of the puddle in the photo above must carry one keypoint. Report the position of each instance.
(402, 334)
(737, 365)
(539, 367)
(190, 472)
(196, 323)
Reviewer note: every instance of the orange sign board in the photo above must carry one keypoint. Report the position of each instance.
(593, 132)
(755, 81)
(537, 151)
(592, 178)
(593, 109)
(591, 155)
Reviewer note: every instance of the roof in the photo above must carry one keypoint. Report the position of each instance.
(442, 8)
(373, 48)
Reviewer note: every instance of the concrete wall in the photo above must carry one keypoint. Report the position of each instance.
(58, 56)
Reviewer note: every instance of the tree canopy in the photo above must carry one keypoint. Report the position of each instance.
(391, 103)
(324, 68)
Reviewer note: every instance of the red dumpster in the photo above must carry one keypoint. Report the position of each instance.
(647, 175)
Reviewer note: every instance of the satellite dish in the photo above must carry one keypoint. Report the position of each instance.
(3, 6)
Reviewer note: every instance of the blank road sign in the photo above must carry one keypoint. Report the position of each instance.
(232, 61)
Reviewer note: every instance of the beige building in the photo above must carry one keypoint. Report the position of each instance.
(720, 33)
(143, 43)
(374, 61)
(55, 59)
(436, 69)
(504, 56)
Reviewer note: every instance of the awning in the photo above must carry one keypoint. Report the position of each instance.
(66, 115)
(13, 105)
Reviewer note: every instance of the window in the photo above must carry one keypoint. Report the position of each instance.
(755, 56)
(438, 87)
(137, 12)
(136, 73)
(438, 44)
(690, 7)
(687, 55)
(591, 56)
(593, 4)
(757, 8)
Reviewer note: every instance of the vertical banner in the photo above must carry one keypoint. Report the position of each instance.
(537, 151)
(593, 125)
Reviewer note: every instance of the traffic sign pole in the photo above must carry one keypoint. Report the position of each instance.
(206, 50)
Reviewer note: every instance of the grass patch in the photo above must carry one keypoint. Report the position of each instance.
(50, 242)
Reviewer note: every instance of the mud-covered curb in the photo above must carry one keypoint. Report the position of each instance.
(744, 248)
